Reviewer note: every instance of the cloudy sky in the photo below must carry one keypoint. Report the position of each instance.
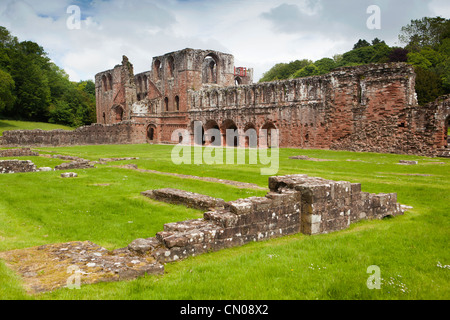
(259, 33)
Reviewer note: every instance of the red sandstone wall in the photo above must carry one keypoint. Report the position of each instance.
(122, 133)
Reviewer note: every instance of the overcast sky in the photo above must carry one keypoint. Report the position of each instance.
(259, 33)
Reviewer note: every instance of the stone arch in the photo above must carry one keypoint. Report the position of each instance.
(250, 135)
(104, 83)
(166, 104)
(170, 66)
(110, 81)
(151, 133)
(177, 103)
(266, 134)
(210, 68)
(237, 81)
(145, 81)
(233, 137)
(157, 69)
(213, 139)
(118, 112)
(198, 132)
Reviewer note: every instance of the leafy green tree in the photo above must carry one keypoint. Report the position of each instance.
(361, 44)
(325, 65)
(428, 86)
(7, 86)
(309, 70)
(424, 32)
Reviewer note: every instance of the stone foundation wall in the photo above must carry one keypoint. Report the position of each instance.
(23, 152)
(16, 166)
(295, 204)
(126, 132)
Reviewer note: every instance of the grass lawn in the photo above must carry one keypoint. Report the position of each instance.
(6, 125)
(104, 206)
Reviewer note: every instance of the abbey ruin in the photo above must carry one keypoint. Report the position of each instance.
(370, 108)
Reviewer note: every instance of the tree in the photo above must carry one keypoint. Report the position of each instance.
(325, 65)
(428, 86)
(361, 44)
(309, 70)
(7, 86)
(284, 70)
(398, 55)
(424, 32)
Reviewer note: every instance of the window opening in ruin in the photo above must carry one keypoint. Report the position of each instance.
(170, 66)
(119, 114)
(237, 81)
(209, 69)
(177, 102)
(105, 83)
(110, 82)
(145, 83)
(166, 104)
(157, 69)
(104, 118)
(140, 84)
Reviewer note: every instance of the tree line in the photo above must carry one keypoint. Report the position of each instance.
(33, 88)
(426, 46)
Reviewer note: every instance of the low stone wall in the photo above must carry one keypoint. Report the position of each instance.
(79, 164)
(16, 166)
(23, 152)
(295, 204)
(189, 199)
(126, 132)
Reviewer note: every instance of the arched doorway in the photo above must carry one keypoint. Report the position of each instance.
(251, 136)
(212, 133)
(268, 135)
(151, 133)
(198, 131)
(118, 111)
(230, 134)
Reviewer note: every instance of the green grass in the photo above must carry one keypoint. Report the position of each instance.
(6, 125)
(99, 206)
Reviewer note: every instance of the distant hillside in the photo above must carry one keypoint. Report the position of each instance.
(427, 48)
(6, 125)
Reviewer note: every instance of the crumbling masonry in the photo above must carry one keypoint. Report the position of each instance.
(295, 204)
(365, 108)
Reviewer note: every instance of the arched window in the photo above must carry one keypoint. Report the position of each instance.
(110, 82)
(177, 102)
(170, 66)
(210, 69)
(145, 80)
(166, 104)
(104, 83)
(237, 81)
(157, 69)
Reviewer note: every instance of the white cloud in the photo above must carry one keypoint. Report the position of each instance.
(258, 33)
